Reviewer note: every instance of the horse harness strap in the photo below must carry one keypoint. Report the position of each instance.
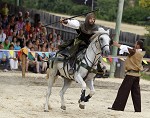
(90, 69)
(57, 59)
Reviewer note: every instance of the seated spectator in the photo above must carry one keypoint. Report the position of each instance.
(44, 31)
(13, 59)
(27, 26)
(51, 47)
(50, 37)
(42, 59)
(6, 44)
(18, 16)
(14, 40)
(27, 17)
(20, 23)
(1, 45)
(8, 32)
(37, 45)
(59, 40)
(4, 59)
(32, 63)
(54, 34)
(15, 30)
(12, 22)
(21, 38)
(17, 46)
(4, 22)
(2, 35)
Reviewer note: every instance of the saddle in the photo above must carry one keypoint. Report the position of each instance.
(72, 59)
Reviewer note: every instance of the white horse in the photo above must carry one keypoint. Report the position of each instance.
(85, 76)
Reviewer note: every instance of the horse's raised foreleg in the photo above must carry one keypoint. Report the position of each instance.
(80, 80)
(66, 85)
(90, 85)
(52, 77)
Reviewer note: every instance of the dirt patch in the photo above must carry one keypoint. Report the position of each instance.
(25, 98)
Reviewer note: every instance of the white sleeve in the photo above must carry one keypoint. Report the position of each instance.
(75, 24)
(124, 48)
(4, 37)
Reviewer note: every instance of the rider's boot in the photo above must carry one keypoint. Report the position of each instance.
(72, 66)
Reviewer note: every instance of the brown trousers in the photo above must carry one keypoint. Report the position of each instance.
(130, 83)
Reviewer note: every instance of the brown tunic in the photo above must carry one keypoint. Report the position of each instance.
(134, 62)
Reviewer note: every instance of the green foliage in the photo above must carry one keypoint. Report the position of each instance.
(135, 14)
(108, 9)
(145, 3)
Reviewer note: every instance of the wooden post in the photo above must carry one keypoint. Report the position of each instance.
(117, 32)
(23, 65)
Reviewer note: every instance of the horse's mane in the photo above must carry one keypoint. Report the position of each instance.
(97, 33)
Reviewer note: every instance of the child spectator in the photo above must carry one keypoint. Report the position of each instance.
(13, 59)
(17, 46)
(6, 44)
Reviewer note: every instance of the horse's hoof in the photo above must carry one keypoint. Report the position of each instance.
(46, 111)
(82, 105)
(63, 107)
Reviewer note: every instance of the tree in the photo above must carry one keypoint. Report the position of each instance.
(144, 3)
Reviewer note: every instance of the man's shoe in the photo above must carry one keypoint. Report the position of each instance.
(71, 71)
(114, 109)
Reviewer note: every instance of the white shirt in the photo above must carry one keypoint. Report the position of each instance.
(2, 37)
(124, 48)
(75, 24)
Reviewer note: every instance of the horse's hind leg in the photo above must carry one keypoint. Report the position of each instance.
(90, 85)
(66, 85)
(51, 80)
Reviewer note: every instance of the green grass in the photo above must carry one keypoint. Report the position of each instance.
(145, 76)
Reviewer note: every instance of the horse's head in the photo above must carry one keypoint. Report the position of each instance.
(103, 40)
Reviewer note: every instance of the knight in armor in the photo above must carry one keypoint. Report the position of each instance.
(84, 30)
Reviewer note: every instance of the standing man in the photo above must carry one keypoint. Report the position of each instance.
(85, 30)
(133, 66)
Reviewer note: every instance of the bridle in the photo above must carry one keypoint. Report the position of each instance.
(98, 40)
(102, 47)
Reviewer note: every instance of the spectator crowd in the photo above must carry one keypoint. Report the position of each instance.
(18, 31)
